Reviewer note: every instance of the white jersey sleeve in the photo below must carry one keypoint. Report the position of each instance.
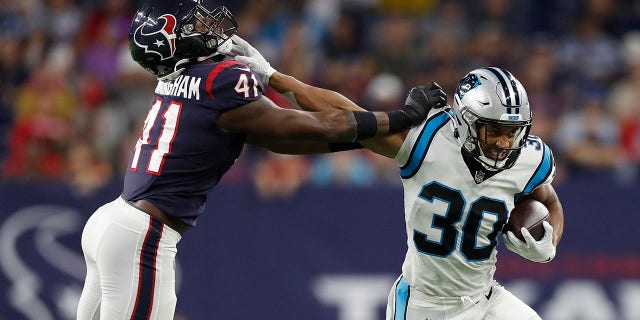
(536, 153)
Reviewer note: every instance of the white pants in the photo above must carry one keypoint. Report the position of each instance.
(130, 261)
(497, 303)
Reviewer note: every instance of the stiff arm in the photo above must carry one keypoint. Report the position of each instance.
(310, 98)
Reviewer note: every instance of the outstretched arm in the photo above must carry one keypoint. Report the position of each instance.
(316, 99)
(312, 98)
(308, 97)
(263, 117)
(300, 147)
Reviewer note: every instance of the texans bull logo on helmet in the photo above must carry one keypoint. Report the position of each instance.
(161, 38)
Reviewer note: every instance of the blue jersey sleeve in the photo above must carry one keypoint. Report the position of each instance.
(231, 84)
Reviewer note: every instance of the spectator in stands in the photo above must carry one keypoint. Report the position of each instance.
(86, 170)
(624, 100)
(588, 135)
(335, 44)
(103, 35)
(342, 169)
(539, 75)
(278, 176)
(44, 110)
(13, 74)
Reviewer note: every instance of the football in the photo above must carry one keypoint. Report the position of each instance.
(530, 214)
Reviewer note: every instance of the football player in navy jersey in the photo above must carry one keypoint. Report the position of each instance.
(463, 170)
(201, 113)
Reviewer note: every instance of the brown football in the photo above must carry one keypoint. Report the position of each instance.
(527, 213)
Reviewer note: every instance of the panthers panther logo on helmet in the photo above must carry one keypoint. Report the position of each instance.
(158, 38)
(469, 82)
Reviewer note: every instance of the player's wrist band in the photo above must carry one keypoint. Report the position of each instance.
(398, 121)
(367, 124)
(344, 146)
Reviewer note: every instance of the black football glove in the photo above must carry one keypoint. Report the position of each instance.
(421, 100)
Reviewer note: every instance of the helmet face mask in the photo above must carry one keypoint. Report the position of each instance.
(215, 26)
(498, 145)
(166, 36)
(493, 110)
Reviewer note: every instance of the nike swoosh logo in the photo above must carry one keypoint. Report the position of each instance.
(243, 69)
(488, 295)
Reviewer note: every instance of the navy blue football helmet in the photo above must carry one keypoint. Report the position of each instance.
(166, 36)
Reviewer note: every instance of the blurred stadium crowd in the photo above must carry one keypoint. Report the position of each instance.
(72, 101)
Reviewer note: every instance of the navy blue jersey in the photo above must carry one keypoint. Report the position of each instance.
(181, 153)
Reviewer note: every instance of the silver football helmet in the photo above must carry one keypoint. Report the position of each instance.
(492, 99)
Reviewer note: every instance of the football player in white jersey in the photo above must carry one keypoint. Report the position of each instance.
(462, 170)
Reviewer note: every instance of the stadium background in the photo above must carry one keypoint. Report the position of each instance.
(319, 237)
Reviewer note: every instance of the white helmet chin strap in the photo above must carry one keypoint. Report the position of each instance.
(225, 47)
(178, 70)
(172, 76)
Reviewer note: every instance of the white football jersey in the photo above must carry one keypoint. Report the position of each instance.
(452, 222)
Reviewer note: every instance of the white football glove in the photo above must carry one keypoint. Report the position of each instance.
(541, 251)
(244, 52)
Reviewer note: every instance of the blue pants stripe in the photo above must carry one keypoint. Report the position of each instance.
(402, 299)
(147, 273)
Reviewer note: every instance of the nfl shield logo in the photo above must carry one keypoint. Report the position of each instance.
(479, 176)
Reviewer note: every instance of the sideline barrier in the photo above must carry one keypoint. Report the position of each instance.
(323, 254)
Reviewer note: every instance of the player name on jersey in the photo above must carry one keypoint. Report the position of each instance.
(187, 87)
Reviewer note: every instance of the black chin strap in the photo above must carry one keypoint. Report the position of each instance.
(477, 170)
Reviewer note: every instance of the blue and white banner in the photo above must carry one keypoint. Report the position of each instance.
(323, 254)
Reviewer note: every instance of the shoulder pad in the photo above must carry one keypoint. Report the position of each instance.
(227, 84)
(537, 157)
